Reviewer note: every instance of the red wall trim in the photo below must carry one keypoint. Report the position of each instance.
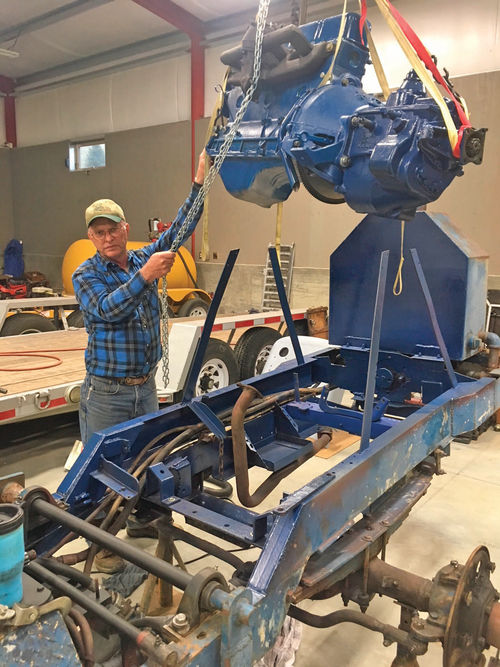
(195, 29)
(7, 86)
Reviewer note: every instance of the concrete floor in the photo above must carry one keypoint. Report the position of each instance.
(459, 512)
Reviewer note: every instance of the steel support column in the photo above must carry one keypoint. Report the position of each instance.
(195, 30)
(7, 87)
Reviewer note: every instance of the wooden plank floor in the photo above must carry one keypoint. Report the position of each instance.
(21, 378)
(68, 346)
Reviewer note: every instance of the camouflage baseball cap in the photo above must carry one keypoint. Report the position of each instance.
(104, 208)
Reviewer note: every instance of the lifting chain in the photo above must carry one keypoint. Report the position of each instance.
(214, 170)
(221, 458)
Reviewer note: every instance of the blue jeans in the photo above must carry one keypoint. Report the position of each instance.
(105, 403)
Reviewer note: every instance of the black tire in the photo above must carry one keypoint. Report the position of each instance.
(26, 323)
(75, 319)
(252, 350)
(219, 368)
(193, 308)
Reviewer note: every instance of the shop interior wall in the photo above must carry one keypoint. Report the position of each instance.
(143, 115)
(147, 172)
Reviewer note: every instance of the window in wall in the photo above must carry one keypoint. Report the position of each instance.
(86, 155)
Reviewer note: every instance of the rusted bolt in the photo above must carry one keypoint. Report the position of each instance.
(367, 538)
(329, 46)
(454, 563)
(491, 566)
(385, 523)
(387, 642)
(180, 622)
(345, 161)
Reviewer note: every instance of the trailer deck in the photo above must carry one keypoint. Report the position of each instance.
(33, 393)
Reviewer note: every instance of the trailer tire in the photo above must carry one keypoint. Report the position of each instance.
(75, 319)
(252, 350)
(193, 308)
(219, 368)
(26, 323)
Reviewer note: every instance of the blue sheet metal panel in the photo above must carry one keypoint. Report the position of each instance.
(473, 404)
(454, 269)
(45, 643)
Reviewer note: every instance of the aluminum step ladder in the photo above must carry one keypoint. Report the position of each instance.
(270, 299)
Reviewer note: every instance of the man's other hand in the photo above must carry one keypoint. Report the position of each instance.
(157, 266)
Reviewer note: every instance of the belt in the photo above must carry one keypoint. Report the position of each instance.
(131, 381)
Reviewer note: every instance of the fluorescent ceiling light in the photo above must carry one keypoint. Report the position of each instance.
(9, 54)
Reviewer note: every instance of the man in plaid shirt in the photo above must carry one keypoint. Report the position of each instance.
(118, 295)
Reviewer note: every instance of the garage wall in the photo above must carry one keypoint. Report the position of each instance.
(147, 171)
(105, 104)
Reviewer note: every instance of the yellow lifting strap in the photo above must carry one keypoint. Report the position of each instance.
(377, 66)
(326, 77)
(397, 287)
(277, 236)
(205, 246)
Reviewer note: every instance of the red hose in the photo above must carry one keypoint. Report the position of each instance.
(40, 356)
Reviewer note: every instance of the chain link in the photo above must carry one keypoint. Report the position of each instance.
(221, 458)
(214, 170)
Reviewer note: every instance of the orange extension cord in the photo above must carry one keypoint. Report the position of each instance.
(41, 354)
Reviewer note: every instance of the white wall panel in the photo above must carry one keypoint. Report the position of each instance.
(150, 95)
(463, 35)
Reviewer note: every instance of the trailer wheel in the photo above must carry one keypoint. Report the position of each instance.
(193, 308)
(252, 350)
(26, 323)
(75, 319)
(219, 368)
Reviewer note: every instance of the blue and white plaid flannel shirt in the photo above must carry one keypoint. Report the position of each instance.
(121, 310)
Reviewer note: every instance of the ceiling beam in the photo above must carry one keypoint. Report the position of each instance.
(56, 15)
(176, 16)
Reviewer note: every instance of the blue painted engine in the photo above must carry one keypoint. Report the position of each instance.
(311, 123)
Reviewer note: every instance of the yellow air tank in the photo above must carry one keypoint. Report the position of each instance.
(184, 298)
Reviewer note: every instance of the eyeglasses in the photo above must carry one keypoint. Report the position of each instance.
(100, 234)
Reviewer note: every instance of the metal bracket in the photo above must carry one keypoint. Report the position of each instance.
(18, 615)
(209, 418)
(117, 479)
